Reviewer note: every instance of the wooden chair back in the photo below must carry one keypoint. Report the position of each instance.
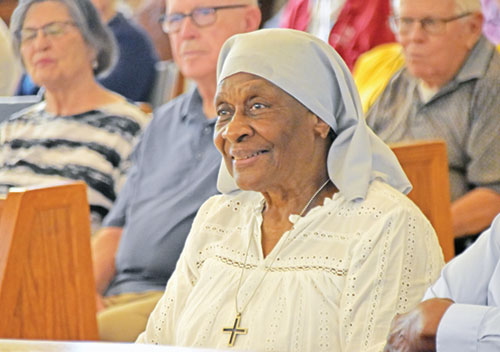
(6, 9)
(47, 289)
(426, 165)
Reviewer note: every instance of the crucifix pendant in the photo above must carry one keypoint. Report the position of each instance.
(234, 331)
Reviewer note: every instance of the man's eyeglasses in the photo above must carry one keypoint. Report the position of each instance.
(52, 29)
(429, 24)
(201, 16)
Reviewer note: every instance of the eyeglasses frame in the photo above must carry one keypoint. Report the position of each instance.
(423, 24)
(43, 29)
(163, 18)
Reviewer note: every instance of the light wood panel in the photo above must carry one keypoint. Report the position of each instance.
(6, 9)
(47, 288)
(57, 346)
(426, 165)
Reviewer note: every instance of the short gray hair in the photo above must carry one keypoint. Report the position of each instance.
(461, 6)
(87, 19)
(464, 6)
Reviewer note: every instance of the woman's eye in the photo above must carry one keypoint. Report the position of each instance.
(223, 113)
(257, 106)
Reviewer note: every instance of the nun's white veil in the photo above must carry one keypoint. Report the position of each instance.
(312, 72)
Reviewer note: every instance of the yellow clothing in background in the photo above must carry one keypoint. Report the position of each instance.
(374, 69)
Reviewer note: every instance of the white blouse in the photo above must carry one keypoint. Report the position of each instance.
(341, 274)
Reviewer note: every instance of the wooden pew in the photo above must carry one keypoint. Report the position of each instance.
(426, 165)
(64, 346)
(47, 289)
(2, 203)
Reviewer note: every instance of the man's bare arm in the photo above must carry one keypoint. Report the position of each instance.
(474, 212)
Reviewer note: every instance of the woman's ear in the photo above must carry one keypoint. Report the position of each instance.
(321, 127)
(92, 57)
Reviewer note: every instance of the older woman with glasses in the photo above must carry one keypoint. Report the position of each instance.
(80, 131)
(313, 246)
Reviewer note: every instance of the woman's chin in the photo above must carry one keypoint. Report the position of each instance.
(248, 183)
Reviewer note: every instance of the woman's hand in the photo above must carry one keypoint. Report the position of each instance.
(416, 330)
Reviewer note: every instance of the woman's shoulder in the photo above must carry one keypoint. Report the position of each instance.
(35, 109)
(126, 109)
(387, 199)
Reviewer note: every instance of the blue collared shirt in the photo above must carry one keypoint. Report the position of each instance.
(174, 171)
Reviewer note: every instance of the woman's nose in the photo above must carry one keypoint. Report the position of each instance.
(41, 40)
(238, 129)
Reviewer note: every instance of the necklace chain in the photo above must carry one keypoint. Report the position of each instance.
(240, 311)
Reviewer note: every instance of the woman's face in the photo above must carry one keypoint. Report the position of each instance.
(267, 138)
(58, 54)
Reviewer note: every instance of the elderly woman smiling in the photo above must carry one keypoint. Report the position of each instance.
(312, 246)
(81, 130)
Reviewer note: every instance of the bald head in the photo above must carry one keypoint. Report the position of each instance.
(198, 28)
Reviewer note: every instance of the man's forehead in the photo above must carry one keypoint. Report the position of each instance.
(186, 5)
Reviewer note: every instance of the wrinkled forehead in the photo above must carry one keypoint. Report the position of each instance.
(248, 83)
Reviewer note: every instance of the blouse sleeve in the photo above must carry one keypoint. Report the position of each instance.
(390, 269)
(160, 328)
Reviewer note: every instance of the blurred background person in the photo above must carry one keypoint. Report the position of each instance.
(374, 69)
(491, 27)
(134, 73)
(448, 89)
(350, 26)
(81, 131)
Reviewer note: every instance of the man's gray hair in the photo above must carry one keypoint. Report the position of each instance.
(461, 6)
(87, 19)
(464, 6)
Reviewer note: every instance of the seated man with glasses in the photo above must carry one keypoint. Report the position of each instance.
(448, 89)
(174, 170)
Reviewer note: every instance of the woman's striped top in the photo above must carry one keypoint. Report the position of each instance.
(39, 148)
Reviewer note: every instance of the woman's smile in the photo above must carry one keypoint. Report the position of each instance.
(245, 158)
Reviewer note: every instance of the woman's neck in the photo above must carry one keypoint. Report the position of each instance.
(281, 204)
(298, 200)
(77, 97)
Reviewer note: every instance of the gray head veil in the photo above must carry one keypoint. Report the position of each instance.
(312, 72)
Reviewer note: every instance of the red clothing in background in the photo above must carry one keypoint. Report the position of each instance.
(361, 25)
